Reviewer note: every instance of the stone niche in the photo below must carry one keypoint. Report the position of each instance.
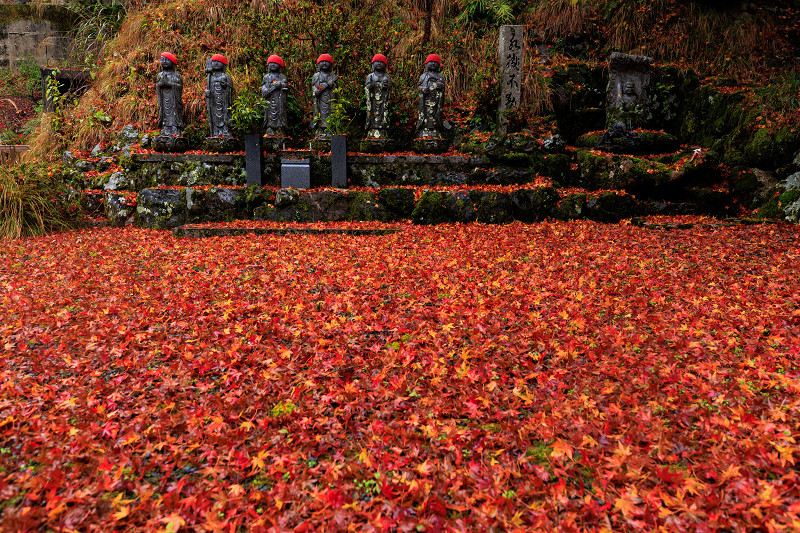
(36, 39)
(628, 85)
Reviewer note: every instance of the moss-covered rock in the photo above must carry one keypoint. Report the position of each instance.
(643, 142)
(551, 165)
(570, 207)
(711, 202)
(362, 205)
(459, 207)
(533, 205)
(217, 204)
(612, 207)
(119, 208)
(508, 176)
(600, 171)
(492, 207)
(430, 209)
(399, 202)
(161, 208)
(752, 187)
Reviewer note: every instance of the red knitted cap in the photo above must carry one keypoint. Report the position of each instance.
(170, 57)
(435, 58)
(220, 58)
(381, 58)
(275, 59)
(324, 57)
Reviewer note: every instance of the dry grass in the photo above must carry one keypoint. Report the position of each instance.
(28, 204)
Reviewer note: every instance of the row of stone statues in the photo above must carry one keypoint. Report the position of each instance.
(274, 91)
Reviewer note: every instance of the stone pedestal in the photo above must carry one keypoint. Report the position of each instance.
(170, 143)
(374, 146)
(429, 145)
(273, 143)
(221, 145)
(512, 42)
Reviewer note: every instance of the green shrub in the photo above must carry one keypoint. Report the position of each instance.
(32, 202)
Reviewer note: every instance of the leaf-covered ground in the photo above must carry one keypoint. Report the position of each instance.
(570, 376)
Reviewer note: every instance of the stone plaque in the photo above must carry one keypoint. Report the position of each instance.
(295, 173)
(512, 40)
(339, 161)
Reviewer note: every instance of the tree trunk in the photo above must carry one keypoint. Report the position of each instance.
(428, 14)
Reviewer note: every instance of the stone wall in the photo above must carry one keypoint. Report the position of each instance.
(27, 32)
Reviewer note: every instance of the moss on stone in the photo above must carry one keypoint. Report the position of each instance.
(430, 209)
(492, 207)
(612, 207)
(570, 207)
(532, 205)
(362, 205)
(398, 202)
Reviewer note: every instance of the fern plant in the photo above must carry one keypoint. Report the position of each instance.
(493, 11)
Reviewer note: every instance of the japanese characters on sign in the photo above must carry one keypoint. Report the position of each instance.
(510, 50)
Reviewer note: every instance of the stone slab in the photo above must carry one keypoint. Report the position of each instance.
(184, 231)
(179, 158)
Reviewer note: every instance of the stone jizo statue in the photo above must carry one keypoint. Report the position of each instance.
(275, 89)
(431, 99)
(377, 90)
(323, 85)
(169, 87)
(219, 96)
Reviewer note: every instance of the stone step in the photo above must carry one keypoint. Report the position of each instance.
(168, 208)
(222, 231)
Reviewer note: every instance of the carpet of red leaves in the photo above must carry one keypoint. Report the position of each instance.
(569, 376)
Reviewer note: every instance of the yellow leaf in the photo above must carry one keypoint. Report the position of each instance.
(561, 449)
(425, 468)
(122, 513)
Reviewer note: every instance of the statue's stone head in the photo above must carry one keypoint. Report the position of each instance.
(325, 63)
(218, 62)
(433, 63)
(168, 61)
(274, 63)
(379, 63)
(629, 88)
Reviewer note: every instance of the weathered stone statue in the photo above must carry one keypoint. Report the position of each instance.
(628, 83)
(629, 107)
(430, 125)
(219, 96)
(169, 89)
(431, 99)
(275, 89)
(377, 90)
(323, 85)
